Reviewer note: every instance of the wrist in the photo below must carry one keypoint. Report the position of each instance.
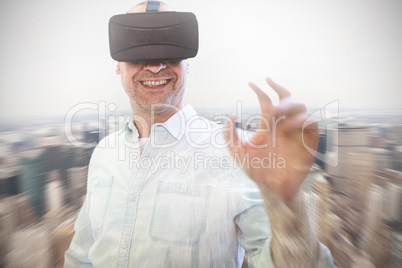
(293, 240)
(292, 200)
(285, 214)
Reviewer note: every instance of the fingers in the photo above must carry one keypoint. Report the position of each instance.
(297, 122)
(266, 107)
(292, 111)
(265, 101)
(288, 115)
(280, 90)
(284, 97)
(289, 108)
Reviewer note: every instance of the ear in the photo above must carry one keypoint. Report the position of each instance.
(118, 68)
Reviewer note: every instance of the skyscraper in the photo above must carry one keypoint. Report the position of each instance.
(349, 139)
(358, 177)
(317, 200)
(33, 178)
(321, 188)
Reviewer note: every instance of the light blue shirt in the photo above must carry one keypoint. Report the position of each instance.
(183, 202)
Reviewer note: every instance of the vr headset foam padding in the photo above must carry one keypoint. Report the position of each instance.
(153, 37)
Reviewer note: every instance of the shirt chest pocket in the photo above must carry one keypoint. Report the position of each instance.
(179, 212)
(99, 200)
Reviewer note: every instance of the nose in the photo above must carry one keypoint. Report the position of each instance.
(155, 67)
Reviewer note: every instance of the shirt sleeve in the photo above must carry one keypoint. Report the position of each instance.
(77, 254)
(254, 235)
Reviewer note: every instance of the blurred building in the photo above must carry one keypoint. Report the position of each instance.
(54, 192)
(358, 177)
(92, 136)
(9, 172)
(22, 210)
(375, 235)
(393, 202)
(321, 188)
(33, 178)
(30, 247)
(316, 191)
(353, 193)
(61, 239)
(9, 180)
(394, 133)
(78, 181)
(321, 149)
(349, 139)
(382, 159)
(396, 249)
(393, 216)
(397, 157)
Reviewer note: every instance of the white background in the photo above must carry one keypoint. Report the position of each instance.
(54, 54)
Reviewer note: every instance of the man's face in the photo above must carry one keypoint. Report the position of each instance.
(154, 83)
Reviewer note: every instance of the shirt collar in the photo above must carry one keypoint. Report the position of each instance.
(175, 125)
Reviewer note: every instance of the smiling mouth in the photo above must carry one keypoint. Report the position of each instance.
(157, 83)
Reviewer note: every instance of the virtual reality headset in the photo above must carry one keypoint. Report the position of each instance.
(153, 37)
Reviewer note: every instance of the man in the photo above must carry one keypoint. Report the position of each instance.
(171, 189)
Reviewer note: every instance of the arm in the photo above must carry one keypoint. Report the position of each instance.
(255, 237)
(283, 135)
(293, 242)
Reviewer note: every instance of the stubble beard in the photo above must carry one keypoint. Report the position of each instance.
(158, 101)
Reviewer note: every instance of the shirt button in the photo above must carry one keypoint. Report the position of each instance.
(183, 187)
(132, 197)
(124, 244)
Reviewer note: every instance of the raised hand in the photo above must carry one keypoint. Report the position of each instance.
(283, 133)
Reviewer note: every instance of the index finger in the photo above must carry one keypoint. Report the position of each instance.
(265, 102)
(280, 90)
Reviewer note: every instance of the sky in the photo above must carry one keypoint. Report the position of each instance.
(55, 53)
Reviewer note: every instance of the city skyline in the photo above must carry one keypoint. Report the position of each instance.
(44, 183)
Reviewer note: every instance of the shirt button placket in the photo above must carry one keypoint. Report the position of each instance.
(131, 211)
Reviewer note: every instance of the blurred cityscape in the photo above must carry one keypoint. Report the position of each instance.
(353, 192)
